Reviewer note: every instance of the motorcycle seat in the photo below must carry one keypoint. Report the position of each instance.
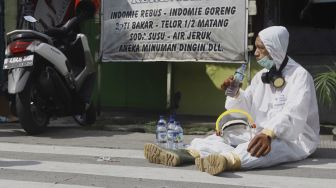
(28, 34)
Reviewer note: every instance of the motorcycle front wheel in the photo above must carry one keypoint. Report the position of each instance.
(32, 119)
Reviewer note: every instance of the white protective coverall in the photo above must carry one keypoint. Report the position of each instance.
(289, 114)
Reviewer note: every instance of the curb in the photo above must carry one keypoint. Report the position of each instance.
(125, 128)
(142, 129)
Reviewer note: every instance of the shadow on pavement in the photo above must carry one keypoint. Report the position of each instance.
(17, 163)
(59, 131)
(324, 153)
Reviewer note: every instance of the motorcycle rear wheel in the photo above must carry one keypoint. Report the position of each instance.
(32, 119)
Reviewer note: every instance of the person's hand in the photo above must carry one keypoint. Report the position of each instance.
(227, 82)
(260, 145)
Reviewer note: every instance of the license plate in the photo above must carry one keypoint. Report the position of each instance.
(15, 62)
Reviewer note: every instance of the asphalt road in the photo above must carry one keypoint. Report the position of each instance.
(70, 156)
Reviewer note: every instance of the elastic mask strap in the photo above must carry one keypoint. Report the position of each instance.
(283, 64)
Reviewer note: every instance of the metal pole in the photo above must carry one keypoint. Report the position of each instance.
(101, 15)
(169, 80)
(252, 12)
(99, 90)
(246, 29)
(2, 35)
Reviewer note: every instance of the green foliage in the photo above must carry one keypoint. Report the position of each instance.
(325, 84)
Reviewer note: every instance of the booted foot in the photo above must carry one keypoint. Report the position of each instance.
(199, 164)
(215, 164)
(158, 155)
(12, 119)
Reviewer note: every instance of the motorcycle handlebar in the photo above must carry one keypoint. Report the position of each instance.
(84, 10)
(68, 26)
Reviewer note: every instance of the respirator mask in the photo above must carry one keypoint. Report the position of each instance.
(273, 76)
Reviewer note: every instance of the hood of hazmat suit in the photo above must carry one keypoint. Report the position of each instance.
(275, 40)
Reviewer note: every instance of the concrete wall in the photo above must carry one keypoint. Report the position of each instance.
(199, 96)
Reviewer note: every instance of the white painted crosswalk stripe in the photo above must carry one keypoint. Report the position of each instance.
(327, 164)
(134, 154)
(29, 184)
(169, 174)
(149, 173)
(69, 150)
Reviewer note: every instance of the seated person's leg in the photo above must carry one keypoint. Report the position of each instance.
(209, 145)
(199, 148)
(240, 158)
(280, 152)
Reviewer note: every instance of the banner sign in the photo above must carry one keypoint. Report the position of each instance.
(174, 30)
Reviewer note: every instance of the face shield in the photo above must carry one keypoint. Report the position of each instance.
(235, 126)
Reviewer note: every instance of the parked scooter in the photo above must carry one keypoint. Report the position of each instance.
(51, 74)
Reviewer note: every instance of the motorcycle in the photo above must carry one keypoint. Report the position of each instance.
(51, 74)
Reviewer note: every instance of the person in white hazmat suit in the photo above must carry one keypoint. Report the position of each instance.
(282, 101)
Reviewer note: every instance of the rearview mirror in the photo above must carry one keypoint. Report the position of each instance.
(30, 19)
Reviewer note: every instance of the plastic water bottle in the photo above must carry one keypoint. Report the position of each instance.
(237, 79)
(3, 119)
(179, 136)
(171, 133)
(161, 132)
(162, 120)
